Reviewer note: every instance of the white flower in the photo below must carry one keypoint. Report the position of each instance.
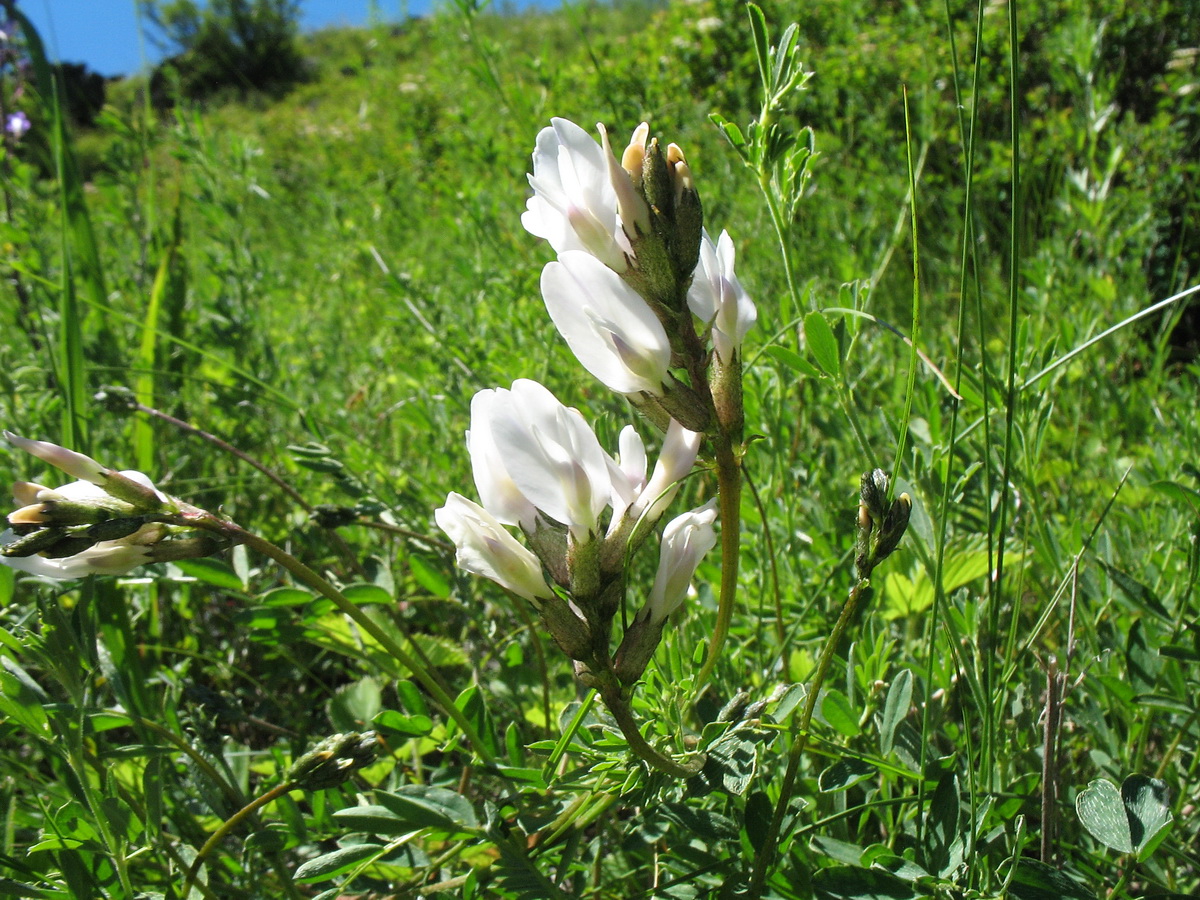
(497, 491)
(485, 548)
(717, 297)
(609, 327)
(675, 460)
(685, 540)
(636, 498)
(575, 205)
(549, 453)
(103, 558)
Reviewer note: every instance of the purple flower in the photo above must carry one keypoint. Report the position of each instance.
(17, 124)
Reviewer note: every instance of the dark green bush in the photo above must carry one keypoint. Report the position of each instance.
(235, 47)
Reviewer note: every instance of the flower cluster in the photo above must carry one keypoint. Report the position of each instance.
(106, 523)
(540, 468)
(650, 305)
(636, 271)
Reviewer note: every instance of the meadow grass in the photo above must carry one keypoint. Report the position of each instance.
(320, 283)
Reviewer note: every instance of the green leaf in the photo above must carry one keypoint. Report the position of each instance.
(285, 597)
(354, 705)
(839, 714)
(1141, 660)
(944, 841)
(423, 806)
(378, 820)
(794, 360)
(340, 861)
(428, 577)
(1033, 880)
(367, 594)
(392, 722)
(845, 773)
(212, 571)
(471, 702)
(1128, 819)
(822, 344)
(853, 883)
(757, 819)
(895, 709)
(1179, 493)
(1142, 598)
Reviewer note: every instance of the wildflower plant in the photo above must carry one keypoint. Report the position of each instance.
(650, 304)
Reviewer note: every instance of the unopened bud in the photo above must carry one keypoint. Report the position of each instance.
(635, 215)
(634, 158)
(333, 760)
(657, 182)
(880, 525)
(76, 464)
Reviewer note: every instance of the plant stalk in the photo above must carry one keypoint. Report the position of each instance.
(765, 855)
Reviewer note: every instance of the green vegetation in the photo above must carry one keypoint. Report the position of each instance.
(324, 279)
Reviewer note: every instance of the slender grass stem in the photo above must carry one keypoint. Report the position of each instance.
(766, 853)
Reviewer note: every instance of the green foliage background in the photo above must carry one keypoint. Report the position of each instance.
(339, 269)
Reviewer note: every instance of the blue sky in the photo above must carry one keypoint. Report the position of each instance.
(104, 33)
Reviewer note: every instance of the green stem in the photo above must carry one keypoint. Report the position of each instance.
(226, 827)
(302, 573)
(766, 854)
(729, 490)
(764, 185)
(619, 707)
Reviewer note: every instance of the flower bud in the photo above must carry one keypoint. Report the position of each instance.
(485, 548)
(685, 540)
(333, 760)
(634, 213)
(880, 525)
(634, 157)
(132, 487)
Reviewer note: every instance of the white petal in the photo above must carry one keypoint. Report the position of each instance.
(104, 558)
(552, 456)
(685, 540)
(485, 548)
(609, 327)
(675, 461)
(499, 493)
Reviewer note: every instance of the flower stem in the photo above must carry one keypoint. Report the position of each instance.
(767, 849)
(302, 573)
(729, 490)
(615, 700)
(226, 827)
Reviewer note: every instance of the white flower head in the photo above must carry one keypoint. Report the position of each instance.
(609, 327)
(717, 297)
(576, 201)
(485, 548)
